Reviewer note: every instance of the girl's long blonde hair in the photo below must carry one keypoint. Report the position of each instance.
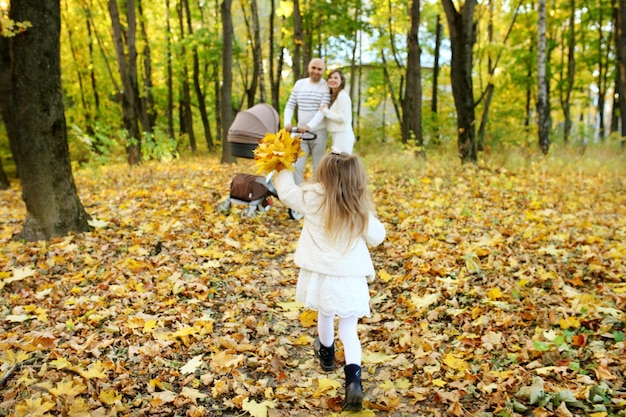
(347, 203)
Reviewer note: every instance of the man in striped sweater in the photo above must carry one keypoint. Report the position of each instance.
(307, 96)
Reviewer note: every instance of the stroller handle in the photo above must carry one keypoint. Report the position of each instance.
(305, 135)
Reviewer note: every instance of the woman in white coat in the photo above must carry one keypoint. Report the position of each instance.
(339, 113)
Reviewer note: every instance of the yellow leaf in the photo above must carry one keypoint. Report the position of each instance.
(277, 149)
(149, 326)
(439, 382)
(388, 384)
(471, 263)
(403, 383)
(308, 318)
(68, 388)
(20, 274)
(61, 363)
(569, 323)
(95, 370)
(384, 276)
(192, 365)
(33, 407)
(12, 358)
(326, 384)
(377, 357)
(225, 362)
(494, 293)
(257, 409)
(97, 223)
(455, 363)
(192, 393)
(109, 397)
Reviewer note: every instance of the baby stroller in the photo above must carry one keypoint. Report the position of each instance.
(244, 135)
(255, 191)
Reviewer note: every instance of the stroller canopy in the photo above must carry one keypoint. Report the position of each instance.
(251, 125)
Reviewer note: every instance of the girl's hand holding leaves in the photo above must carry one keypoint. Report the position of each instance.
(277, 151)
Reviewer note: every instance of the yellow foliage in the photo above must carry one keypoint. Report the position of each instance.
(277, 151)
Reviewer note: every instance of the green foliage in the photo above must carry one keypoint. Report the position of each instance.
(158, 146)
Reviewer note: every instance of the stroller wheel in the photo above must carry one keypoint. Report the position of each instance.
(224, 207)
(295, 215)
(265, 205)
(249, 212)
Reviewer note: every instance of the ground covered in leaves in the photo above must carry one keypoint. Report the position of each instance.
(499, 293)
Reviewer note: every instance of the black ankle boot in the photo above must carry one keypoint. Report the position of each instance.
(325, 354)
(354, 389)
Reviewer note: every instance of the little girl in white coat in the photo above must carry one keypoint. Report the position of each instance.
(339, 114)
(333, 256)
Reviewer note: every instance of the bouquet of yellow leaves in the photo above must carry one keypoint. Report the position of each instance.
(277, 151)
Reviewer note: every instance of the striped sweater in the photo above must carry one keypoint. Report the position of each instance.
(307, 98)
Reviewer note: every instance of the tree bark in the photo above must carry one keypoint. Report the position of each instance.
(196, 84)
(257, 51)
(40, 144)
(129, 98)
(148, 111)
(298, 39)
(461, 29)
(567, 84)
(434, 103)
(412, 101)
(621, 58)
(170, 88)
(226, 103)
(185, 115)
(6, 109)
(543, 103)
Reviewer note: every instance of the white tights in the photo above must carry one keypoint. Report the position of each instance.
(347, 334)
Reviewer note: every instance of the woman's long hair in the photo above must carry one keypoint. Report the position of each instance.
(347, 203)
(342, 85)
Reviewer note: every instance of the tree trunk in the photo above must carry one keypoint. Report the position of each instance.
(196, 84)
(568, 78)
(148, 112)
(129, 105)
(251, 88)
(6, 108)
(604, 54)
(621, 58)
(185, 116)
(543, 103)
(79, 74)
(40, 144)
(257, 50)
(529, 94)
(4, 180)
(274, 95)
(434, 103)
(92, 66)
(298, 40)
(170, 88)
(461, 29)
(412, 101)
(226, 104)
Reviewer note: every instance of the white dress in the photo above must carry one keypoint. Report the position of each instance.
(333, 295)
(333, 275)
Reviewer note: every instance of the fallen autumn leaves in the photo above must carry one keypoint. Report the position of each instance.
(498, 293)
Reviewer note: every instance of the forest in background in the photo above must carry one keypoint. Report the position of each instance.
(174, 50)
